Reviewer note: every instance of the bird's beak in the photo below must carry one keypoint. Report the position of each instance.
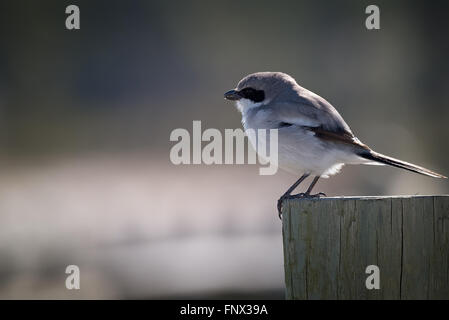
(232, 95)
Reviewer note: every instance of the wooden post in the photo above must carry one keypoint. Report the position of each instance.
(329, 243)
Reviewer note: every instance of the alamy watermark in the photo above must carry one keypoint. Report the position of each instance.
(73, 279)
(72, 22)
(372, 22)
(261, 147)
(373, 280)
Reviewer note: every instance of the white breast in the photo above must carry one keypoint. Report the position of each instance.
(245, 104)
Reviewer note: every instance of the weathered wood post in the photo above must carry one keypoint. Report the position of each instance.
(329, 243)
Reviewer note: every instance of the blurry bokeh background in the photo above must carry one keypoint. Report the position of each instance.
(85, 119)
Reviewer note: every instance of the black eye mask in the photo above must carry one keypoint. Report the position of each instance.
(252, 94)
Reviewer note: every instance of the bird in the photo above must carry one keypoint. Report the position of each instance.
(313, 138)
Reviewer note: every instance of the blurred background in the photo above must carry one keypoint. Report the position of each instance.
(86, 115)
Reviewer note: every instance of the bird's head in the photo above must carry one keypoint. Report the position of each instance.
(259, 89)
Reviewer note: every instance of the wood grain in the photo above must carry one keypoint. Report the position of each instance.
(329, 242)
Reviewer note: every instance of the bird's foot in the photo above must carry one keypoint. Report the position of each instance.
(306, 195)
(279, 205)
(301, 195)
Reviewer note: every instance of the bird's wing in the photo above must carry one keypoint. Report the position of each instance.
(339, 137)
(305, 107)
(316, 115)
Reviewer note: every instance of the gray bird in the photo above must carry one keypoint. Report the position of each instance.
(313, 138)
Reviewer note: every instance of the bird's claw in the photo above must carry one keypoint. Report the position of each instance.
(307, 195)
(279, 206)
(301, 195)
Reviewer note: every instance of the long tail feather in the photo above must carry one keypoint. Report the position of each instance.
(374, 156)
